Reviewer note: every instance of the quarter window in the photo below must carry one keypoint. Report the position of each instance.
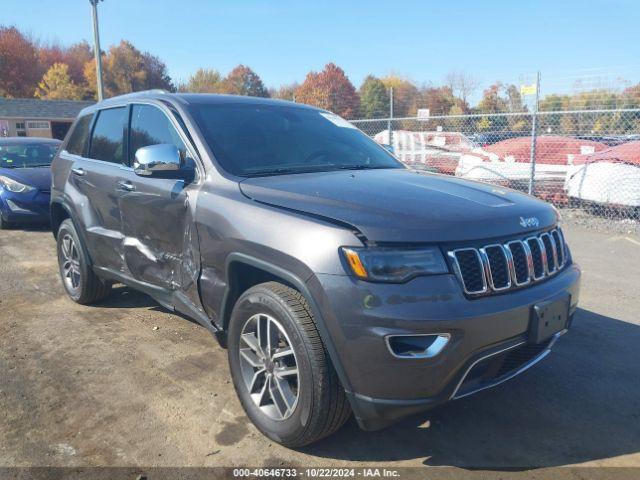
(150, 126)
(79, 136)
(108, 134)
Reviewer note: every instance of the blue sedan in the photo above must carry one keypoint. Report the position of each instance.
(25, 179)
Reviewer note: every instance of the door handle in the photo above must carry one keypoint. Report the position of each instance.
(81, 172)
(126, 185)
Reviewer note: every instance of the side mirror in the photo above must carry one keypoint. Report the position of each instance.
(389, 148)
(156, 160)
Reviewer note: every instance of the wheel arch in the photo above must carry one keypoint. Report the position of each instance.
(271, 272)
(60, 212)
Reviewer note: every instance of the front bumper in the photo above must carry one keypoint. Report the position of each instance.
(30, 207)
(382, 387)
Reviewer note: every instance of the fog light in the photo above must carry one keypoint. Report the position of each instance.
(417, 346)
(14, 207)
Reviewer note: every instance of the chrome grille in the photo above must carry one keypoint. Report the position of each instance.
(470, 266)
(522, 267)
(559, 241)
(497, 264)
(538, 257)
(498, 267)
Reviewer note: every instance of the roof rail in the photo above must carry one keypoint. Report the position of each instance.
(140, 93)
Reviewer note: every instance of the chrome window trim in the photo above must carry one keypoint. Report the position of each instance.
(432, 350)
(527, 259)
(489, 273)
(452, 255)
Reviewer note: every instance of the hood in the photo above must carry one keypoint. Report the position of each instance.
(405, 206)
(38, 177)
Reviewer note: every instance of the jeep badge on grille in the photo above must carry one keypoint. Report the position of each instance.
(529, 222)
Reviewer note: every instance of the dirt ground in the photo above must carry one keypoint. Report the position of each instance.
(127, 383)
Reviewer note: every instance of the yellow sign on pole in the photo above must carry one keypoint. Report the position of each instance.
(528, 89)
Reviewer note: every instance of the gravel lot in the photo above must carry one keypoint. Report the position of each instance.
(127, 383)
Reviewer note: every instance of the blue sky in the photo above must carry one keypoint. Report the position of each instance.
(422, 40)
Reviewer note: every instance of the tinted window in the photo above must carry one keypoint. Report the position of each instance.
(79, 136)
(108, 133)
(273, 139)
(150, 126)
(26, 155)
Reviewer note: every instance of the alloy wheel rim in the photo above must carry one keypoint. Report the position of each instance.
(269, 367)
(70, 263)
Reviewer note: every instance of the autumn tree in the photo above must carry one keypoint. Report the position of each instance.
(126, 69)
(244, 81)
(493, 101)
(75, 56)
(19, 71)
(56, 84)
(285, 92)
(438, 100)
(462, 86)
(157, 74)
(406, 96)
(203, 81)
(374, 98)
(330, 89)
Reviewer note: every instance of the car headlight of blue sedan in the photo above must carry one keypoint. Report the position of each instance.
(13, 185)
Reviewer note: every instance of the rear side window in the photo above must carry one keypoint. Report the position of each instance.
(150, 126)
(107, 141)
(80, 135)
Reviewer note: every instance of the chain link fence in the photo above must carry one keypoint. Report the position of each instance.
(585, 162)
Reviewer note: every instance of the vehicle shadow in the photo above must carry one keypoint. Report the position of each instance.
(581, 403)
(34, 227)
(122, 296)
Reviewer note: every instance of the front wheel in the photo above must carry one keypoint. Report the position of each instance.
(280, 368)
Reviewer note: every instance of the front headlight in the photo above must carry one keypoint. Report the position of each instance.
(14, 186)
(394, 265)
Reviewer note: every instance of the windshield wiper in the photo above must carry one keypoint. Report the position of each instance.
(314, 168)
(284, 171)
(362, 167)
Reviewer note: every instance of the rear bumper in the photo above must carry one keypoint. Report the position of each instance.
(382, 387)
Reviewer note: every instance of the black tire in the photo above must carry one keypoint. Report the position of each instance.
(321, 407)
(86, 287)
(4, 224)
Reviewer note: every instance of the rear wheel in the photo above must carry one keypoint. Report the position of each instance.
(82, 285)
(280, 368)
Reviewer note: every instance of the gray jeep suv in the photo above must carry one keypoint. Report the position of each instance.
(339, 280)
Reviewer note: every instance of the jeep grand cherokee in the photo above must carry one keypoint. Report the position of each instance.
(339, 280)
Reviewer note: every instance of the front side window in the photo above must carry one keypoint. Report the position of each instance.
(256, 140)
(150, 126)
(80, 135)
(108, 134)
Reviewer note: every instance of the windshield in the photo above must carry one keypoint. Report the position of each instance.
(25, 155)
(259, 140)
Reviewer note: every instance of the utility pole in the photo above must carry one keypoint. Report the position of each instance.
(96, 47)
(390, 119)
